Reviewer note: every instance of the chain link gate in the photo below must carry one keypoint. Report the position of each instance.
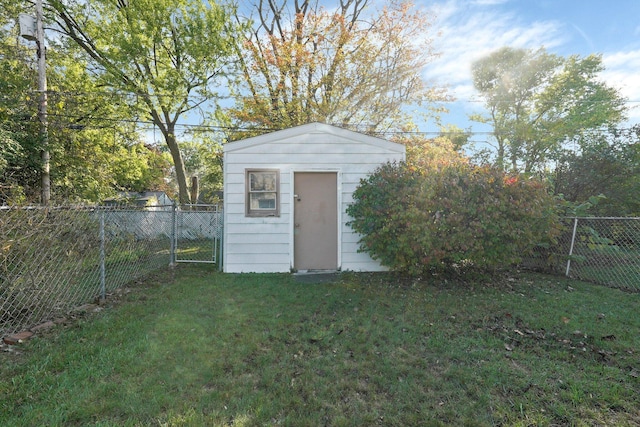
(197, 234)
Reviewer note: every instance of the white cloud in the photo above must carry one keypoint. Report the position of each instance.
(469, 31)
(621, 72)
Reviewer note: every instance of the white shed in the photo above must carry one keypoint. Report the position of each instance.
(286, 195)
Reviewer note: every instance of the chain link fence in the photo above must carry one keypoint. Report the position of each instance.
(600, 250)
(198, 234)
(53, 260)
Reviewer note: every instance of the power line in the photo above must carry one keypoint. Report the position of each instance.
(126, 94)
(129, 95)
(224, 128)
(91, 121)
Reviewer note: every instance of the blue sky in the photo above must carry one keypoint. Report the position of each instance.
(471, 29)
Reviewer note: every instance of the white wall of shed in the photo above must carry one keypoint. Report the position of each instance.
(265, 244)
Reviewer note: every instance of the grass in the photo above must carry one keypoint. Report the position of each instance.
(199, 347)
(609, 265)
(622, 276)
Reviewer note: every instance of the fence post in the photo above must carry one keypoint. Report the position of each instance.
(103, 282)
(220, 235)
(173, 244)
(573, 240)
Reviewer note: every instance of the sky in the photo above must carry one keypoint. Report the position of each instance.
(471, 29)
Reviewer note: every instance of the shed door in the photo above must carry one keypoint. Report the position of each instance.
(315, 220)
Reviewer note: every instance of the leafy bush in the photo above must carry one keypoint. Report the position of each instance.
(452, 217)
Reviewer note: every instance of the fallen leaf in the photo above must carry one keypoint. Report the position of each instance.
(565, 319)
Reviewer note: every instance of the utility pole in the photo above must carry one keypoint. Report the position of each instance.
(42, 106)
(33, 30)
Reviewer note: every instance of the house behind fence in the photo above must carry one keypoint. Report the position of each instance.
(53, 260)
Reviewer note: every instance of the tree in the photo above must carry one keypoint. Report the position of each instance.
(97, 147)
(203, 159)
(537, 100)
(164, 54)
(430, 154)
(10, 150)
(605, 163)
(301, 63)
(19, 141)
(458, 137)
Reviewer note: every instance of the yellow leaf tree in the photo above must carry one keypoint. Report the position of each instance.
(352, 66)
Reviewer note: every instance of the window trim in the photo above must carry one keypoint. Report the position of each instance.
(261, 212)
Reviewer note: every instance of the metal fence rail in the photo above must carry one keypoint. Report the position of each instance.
(55, 259)
(599, 250)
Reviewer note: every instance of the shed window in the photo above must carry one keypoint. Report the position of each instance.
(263, 187)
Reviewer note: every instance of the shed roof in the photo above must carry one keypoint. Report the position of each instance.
(314, 128)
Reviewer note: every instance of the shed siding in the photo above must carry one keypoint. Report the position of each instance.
(266, 244)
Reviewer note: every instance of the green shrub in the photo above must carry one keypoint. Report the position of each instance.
(456, 216)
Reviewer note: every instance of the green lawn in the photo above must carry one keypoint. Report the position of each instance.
(202, 348)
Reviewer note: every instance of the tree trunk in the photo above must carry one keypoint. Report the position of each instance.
(500, 152)
(194, 190)
(178, 162)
